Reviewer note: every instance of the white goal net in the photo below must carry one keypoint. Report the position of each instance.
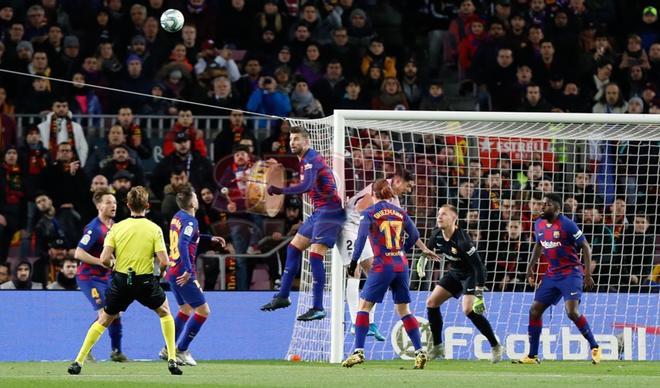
(495, 168)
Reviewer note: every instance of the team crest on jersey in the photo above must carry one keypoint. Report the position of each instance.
(454, 251)
(556, 234)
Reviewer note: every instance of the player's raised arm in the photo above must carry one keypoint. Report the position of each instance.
(309, 177)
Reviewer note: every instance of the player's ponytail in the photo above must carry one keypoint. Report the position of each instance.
(138, 199)
(382, 189)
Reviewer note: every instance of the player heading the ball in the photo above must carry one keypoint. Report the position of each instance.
(320, 231)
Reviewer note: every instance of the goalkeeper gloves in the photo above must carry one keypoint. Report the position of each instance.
(479, 306)
(352, 267)
(421, 266)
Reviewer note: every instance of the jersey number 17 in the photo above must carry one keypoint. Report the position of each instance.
(392, 240)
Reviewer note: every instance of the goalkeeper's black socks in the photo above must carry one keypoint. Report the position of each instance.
(435, 322)
(481, 323)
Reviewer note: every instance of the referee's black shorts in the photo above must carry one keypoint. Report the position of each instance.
(144, 288)
(458, 283)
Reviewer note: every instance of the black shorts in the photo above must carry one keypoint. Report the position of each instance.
(145, 289)
(458, 283)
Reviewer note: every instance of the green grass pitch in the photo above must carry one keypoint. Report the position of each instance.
(301, 374)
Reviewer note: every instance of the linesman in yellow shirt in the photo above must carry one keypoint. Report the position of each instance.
(133, 242)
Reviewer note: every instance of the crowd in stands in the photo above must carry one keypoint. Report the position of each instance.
(294, 58)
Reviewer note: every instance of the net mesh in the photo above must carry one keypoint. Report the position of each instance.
(495, 173)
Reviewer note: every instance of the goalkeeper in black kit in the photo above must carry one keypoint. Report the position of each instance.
(467, 277)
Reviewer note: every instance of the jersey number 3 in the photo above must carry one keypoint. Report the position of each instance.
(392, 240)
(174, 245)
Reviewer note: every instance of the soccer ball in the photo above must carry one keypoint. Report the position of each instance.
(171, 20)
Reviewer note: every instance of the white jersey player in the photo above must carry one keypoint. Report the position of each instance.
(401, 183)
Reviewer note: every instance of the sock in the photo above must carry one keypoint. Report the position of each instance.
(167, 326)
(353, 297)
(291, 268)
(361, 328)
(435, 322)
(481, 323)
(372, 314)
(192, 328)
(115, 334)
(318, 279)
(584, 328)
(412, 328)
(93, 334)
(179, 323)
(534, 332)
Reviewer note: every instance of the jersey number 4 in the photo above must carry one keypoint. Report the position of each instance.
(174, 245)
(392, 240)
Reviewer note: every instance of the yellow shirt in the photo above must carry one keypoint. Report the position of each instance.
(135, 240)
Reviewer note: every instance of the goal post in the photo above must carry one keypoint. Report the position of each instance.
(443, 149)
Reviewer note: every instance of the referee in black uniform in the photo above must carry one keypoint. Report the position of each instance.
(133, 242)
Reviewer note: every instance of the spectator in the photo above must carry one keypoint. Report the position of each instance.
(185, 123)
(134, 136)
(496, 84)
(284, 82)
(4, 273)
(573, 100)
(468, 46)
(157, 106)
(648, 94)
(6, 107)
(235, 23)
(64, 179)
(353, 98)
(33, 159)
(302, 37)
(59, 228)
(635, 81)
(635, 105)
(343, 51)
(459, 28)
(612, 101)
(109, 63)
(121, 184)
(391, 96)
(133, 80)
(244, 227)
(70, 58)
(22, 279)
(278, 142)
(435, 99)
(222, 58)
(114, 138)
(232, 133)
(83, 99)
(178, 181)
(12, 200)
(634, 54)
(509, 265)
(602, 243)
(360, 31)
(638, 249)
(271, 18)
(122, 161)
(267, 99)
(534, 101)
(36, 26)
(221, 95)
(59, 127)
(318, 27)
(311, 67)
(250, 80)
(198, 168)
(654, 62)
(411, 84)
(66, 276)
(376, 56)
(7, 132)
(211, 221)
(303, 102)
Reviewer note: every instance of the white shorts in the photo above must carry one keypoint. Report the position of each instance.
(346, 244)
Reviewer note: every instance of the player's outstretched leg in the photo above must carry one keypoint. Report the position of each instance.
(291, 268)
(583, 325)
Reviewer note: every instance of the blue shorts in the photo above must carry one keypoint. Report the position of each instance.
(94, 289)
(190, 293)
(378, 282)
(323, 227)
(552, 290)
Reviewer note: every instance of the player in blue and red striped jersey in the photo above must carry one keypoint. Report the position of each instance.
(320, 230)
(383, 223)
(559, 239)
(181, 274)
(92, 277)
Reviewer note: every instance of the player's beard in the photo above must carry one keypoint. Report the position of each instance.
(546, 215)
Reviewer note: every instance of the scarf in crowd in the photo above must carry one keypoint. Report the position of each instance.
(36, 160)
(14, 190)
(238, 133)
(52, 139)
(133, 135)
